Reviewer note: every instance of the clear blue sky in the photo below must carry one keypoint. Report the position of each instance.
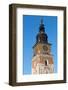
(31, 28)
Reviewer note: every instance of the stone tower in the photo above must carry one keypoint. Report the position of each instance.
(42, 61)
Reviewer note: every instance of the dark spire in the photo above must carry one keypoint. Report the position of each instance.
(41, 28)
(41, 36)
(42, 21)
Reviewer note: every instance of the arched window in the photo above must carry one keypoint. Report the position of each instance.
(46, 62)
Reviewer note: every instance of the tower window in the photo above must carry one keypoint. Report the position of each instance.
(46, 63)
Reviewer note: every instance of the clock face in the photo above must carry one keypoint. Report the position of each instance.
(45, 48)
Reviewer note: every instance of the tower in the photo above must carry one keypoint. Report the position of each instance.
(42, 61)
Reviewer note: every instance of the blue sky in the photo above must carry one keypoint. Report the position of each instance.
(31, 28)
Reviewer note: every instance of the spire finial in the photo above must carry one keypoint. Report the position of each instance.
(41, 28)
(41, 20)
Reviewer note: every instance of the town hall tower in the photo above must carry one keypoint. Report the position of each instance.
(42, 60)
